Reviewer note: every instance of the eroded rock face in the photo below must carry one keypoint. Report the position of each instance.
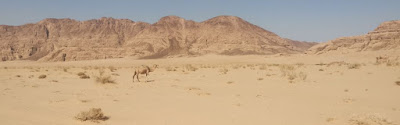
(385, 37)
(67, 39)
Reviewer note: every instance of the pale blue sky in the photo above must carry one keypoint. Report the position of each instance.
(308, 20)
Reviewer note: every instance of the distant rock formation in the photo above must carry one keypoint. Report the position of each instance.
(385, 37)
(68, 39)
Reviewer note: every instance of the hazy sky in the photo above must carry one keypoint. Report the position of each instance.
(306, 20)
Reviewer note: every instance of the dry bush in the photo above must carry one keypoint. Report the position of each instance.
(94, 114)
(354, 66)
(302, 75)
(104, 79)
(65, 69)
(370, 119)
(223, 70)
(42, 76)
(190, 67)
(83, 75)
(397, 83)
(286, 69)
(170, 68)
(337, 63)
(18, 76)
(112, 68)
(392, 63)
(299, 64)
(260, 79)
(290, 72)
(236, 66)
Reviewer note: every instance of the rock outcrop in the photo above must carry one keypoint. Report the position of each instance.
(68, 39)
(385, 37)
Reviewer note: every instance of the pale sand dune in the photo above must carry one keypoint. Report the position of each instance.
(253, 91)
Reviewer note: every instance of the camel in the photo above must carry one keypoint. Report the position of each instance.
(143, 70)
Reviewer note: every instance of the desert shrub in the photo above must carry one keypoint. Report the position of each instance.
(104, 79)
(299, 64)
(112, 68)
(370, 119)
(42, 76)
(286, 69)
(337, 63)
(354, 66)
(397, 83)
(223, 70)
(170, 68)
(260, 79)
(65, 69)
(18, 76)
(83, 75)
(94, 114)
(190, 67)
(289, 71)
(392, 63)
(302, 75)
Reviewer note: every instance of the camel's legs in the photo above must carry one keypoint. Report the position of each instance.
(146, 78)
(133, 78)
(137, 77)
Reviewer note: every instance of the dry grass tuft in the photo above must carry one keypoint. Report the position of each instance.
(290, 72)
(104, 79)
(170, 68)
(83, 75)
(189, 67)
(223, 70)
(94, 114)
(42, 76)
(260, 79)
(354, 66)
(370, 119)
(112, 68)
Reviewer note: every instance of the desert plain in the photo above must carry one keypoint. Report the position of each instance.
(280, 89)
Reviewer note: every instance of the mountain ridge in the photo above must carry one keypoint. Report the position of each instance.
(68, 39)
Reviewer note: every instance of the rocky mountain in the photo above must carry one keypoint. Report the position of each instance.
(385, 37)
(68, 39)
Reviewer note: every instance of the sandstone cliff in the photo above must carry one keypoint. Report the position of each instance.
(385, 37)
(68, 39)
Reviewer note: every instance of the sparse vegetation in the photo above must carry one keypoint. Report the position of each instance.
(170, 68)
(290, 72)
(112, 68)
(42, 76)
(370, 119)
(189, 67)
(260, 79)
(223, 70)
(94, 114)
(104, 79)
(263, 67)
(354, 66)
(83, 75)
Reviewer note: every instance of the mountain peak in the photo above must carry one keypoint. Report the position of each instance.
(169, 19)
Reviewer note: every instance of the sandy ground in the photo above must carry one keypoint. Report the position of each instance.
(206, 90)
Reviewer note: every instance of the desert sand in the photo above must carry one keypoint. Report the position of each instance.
(298, 89)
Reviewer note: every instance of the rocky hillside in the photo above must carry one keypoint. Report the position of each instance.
(171, 36)
(385, 37)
